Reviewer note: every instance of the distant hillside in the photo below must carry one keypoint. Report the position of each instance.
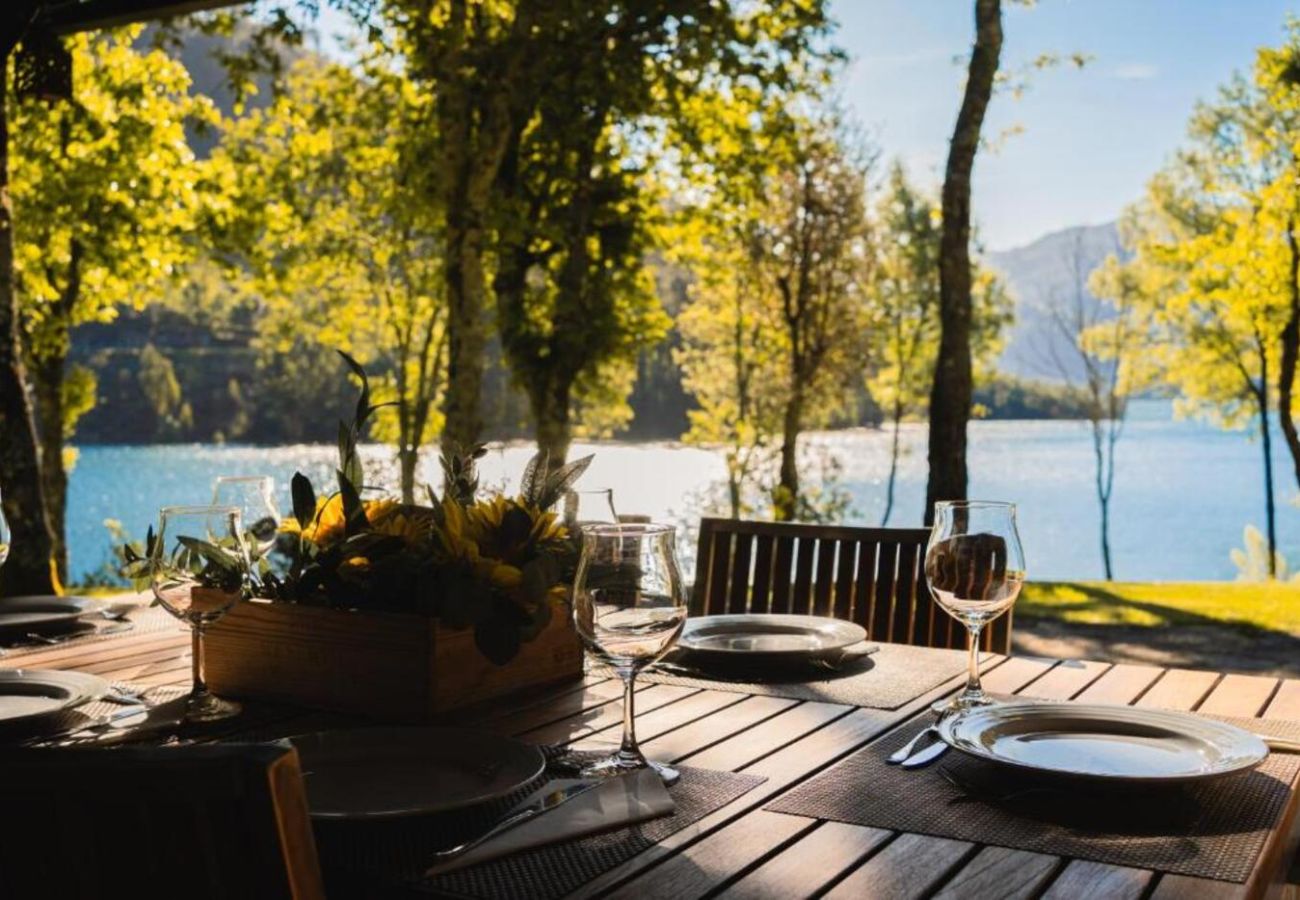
(1041, 275)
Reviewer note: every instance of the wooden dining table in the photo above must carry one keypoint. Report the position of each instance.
(744, 850)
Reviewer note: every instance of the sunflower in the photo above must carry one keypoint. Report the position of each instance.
(385, 516)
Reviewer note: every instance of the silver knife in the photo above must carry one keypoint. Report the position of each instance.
(925, 757)
(546, 799)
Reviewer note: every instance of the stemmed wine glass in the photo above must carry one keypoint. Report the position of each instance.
(629, 605)
(593, 507)
(255, 497)
(199, 569)
(975, 566)
(4, 535)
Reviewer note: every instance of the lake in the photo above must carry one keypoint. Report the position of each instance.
(1184, 490)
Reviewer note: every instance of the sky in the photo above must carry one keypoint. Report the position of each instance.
(1092, 137)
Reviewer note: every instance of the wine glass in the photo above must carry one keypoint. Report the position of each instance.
(4, 535)
(199, 569)
(594, 507)
(975, 567)
(629, 605)
(255, 497)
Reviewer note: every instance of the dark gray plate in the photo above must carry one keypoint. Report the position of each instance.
(378, 773)
(19, 615)
(761, 638)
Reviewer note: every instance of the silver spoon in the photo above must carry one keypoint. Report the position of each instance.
(907, 749)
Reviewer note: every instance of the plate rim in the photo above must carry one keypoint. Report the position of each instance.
(93, 688)
(85, 606)
(1166, 717)
(532, 749)
(694, 622)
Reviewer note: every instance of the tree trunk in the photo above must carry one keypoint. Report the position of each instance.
(550, 403)
(950, 395)
(29, 569)
(47, 378)
(466, 332)
(1290, 354)
(1102, 482)
(893, 462)
(408, 459)
(1270, 514)
(785, 504)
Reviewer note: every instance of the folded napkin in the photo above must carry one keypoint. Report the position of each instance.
(625, 800)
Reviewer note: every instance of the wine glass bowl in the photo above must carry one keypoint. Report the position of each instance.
(629, 606)
(254, 495)
(975, 567)
(199, 568)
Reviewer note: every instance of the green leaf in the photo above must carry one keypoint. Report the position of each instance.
(211, 552)
(354, 514)
(363, 400)
(304, 499)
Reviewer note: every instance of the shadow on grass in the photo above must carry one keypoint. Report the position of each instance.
(1179, 638)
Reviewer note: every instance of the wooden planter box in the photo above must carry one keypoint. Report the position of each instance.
(387, 665)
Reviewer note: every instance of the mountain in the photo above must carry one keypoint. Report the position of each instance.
(1043, 276)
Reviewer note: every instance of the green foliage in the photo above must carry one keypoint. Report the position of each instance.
(328, 212)
(1252, 560)
(106, 191)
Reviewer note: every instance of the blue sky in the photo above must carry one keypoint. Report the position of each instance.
(1092, 137)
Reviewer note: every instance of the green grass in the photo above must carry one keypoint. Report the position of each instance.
(1275, 607)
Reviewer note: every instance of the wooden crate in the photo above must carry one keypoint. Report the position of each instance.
(388, 665)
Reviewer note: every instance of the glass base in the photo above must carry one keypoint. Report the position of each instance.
(622, 763)
(208, 707)
(966, 700)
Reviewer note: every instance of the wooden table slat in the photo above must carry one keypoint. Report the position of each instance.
(1085, 880)
(1179, 689)
(1286, 702)
(999, 873)
(1239, 695)
(809, 864)
(909, 866)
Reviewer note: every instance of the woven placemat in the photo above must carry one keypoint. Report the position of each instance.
(145, 621)
(356, 855)
(892, 676)
(1213, 830)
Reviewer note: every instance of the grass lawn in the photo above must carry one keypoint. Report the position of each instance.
(1274, 607)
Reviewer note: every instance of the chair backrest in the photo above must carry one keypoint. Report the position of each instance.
(212, 821)
(872, 576)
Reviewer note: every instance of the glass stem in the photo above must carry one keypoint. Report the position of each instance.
(973, 666)
(628, 749)
(196, 659)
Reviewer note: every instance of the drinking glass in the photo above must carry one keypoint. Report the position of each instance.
(975, 567)
(199, 570)
(629, 605)
(594, 507)
(4, 535)
(254, 495)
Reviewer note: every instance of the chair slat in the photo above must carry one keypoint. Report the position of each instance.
(864, 584)
(782, 574)
(845, 577)
(719, 573)
(803, 574)
(760, 596)
(900, 626)
(882, 609)
(823, 582)
(738, 593)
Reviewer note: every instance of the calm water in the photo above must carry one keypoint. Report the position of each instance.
(1184, 490)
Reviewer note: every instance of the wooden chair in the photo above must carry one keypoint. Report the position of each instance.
(872, 576)
(213, 821)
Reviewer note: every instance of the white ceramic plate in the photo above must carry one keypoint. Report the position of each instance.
(376, 773)
(761, 638)
(27, 694)
(19, 615)
(1111, 743)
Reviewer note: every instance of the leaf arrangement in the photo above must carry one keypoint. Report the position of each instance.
(495, 564)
